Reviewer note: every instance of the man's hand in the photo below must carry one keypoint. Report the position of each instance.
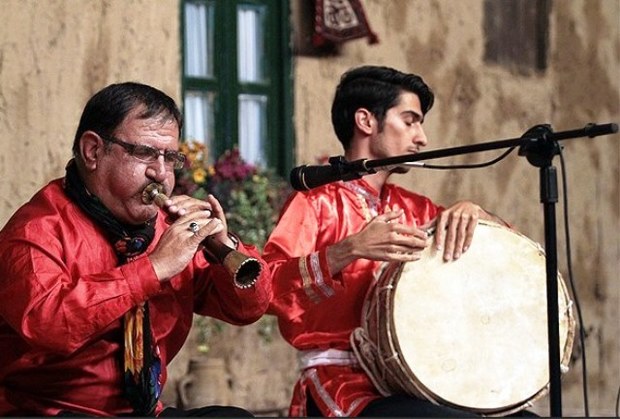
(179, 243)
(384, 238)
(455, 228)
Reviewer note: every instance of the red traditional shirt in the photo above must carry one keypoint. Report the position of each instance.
(62, 302)
(317, 311)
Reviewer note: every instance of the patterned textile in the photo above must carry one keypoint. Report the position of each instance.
(337, 21)
(142, 368)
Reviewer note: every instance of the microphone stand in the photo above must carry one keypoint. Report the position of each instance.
(539, 145)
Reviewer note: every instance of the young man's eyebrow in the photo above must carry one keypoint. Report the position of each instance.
(415, 114)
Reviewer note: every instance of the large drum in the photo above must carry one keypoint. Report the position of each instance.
(470, 333)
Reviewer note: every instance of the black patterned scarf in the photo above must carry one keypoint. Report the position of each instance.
(142, 368)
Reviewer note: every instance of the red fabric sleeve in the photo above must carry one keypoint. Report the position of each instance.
(298, 262)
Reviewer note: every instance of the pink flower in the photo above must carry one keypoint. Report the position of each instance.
(230, 166)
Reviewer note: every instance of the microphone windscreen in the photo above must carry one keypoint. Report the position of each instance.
(304, 178)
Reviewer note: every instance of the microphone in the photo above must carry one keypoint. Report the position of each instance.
(304, 178)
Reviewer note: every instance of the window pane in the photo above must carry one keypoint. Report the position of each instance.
(199, 117)
(199, 37)
(250, 38)
(253, 128)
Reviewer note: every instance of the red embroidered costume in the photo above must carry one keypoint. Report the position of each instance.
(60, 284)
(318, 311)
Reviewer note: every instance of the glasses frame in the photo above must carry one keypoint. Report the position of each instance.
(170, 156)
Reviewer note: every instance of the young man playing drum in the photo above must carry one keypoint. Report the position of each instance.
(330, 242)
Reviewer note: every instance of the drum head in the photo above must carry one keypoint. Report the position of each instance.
(473, 332)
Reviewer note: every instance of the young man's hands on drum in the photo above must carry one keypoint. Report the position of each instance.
(455, 226)
(386, 238)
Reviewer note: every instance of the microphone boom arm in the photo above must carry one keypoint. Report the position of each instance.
(308, 177)
(525, 141)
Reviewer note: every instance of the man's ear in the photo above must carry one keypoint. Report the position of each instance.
(91, 149)
(364, 120)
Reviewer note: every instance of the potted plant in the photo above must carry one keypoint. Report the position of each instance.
(251, 196)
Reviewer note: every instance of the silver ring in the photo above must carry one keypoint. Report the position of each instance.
(193, 227)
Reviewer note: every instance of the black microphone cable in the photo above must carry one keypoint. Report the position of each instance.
(466, 166)
(569, 262)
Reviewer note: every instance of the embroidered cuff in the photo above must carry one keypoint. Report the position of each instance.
(315, 276)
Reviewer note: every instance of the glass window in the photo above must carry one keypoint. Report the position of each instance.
(250, 43)
(253, 127)
(199, 115)
(199, 39)
(237, 91)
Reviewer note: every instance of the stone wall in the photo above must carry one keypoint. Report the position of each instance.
(55, 54)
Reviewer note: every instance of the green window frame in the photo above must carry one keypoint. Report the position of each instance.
(226, 79)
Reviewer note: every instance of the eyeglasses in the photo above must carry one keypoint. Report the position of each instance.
(149, 154)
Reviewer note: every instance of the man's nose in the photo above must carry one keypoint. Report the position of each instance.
(420, 137)
(158, 169)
